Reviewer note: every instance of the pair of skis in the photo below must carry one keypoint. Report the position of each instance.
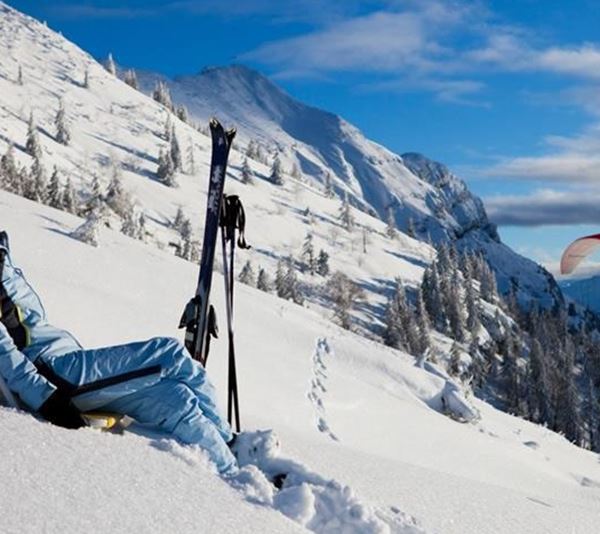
(226, 212)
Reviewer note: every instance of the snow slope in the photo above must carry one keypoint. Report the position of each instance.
(345, 407)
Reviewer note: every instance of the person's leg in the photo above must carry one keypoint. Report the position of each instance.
(136, 366)
(172, 407)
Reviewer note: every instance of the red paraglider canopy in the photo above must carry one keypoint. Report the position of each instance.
(576, 251)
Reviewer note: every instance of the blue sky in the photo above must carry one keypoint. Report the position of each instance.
(507, 93)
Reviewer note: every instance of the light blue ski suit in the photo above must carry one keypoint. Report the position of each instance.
(155, 382)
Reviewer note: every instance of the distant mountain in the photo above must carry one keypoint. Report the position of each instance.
(423, 195)
(585, 292)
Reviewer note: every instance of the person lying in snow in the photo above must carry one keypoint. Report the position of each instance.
(155, 382)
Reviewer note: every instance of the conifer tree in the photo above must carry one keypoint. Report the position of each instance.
(162, 95)
(422, 322)
(291, 284)
(175, 151)
(280, 279)
(251, 150)
(117, 199)
(277, 171)
(295, 172)
(191, 160)
(37, 186)
(345, 295)
(308, 254)
(455, 365)
(130, 78)
(166, 168)
(247, 175)
(345, 214)
(63, 135)
(88, 231)
(390, 229)
(20, 76)
(32, 145)
(86, 78)
(110, 65)
(54, 193)
(68, 197)
(182, 113)
(141, 227)
(247, 274)
(9, 174)
(263, 283)
(329, 190)
(177, 223)
(323, 263)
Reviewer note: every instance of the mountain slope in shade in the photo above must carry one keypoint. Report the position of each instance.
(585, 291)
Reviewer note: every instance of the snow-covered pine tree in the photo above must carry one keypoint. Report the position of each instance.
(32, 144)
(251, 150)
(280, 279)
(329, 190)
(295, 172)
(63, 135)
(345, 214)
(168, 128)
(191, 160)
(109, 65)
(9, 174)
(410, 228)
(117, 199)
(166, 168)
(291, 285)
(88, 232)
(323, 263)
(129, 226)
(247, 274)
(20, 75)
(390, 229)
(345, 295)
(455, 365)
(175, 151)
(473, 321)
(37, 185)
(186, 245)
(53, 194)
(308, 254)
(247, 174)
(277, 171)
(422, 321)
(182, 113)
(177, 223)
(142, 228)
(86, 78)
(263, 282)
(130, 78)
(68, 198)
(162, 95)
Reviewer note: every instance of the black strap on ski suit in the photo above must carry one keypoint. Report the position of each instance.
(233, 218)
(10, 314)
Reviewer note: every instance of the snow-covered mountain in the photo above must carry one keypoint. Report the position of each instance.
(365, 424)
(424, 196)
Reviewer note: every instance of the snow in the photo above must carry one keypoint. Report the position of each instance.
(361, 426)
(395, 457)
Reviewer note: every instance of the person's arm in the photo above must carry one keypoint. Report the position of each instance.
(21, 375)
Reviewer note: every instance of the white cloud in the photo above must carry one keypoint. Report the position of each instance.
(545, 207)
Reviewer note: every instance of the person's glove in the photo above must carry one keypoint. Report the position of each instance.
(60, 411)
